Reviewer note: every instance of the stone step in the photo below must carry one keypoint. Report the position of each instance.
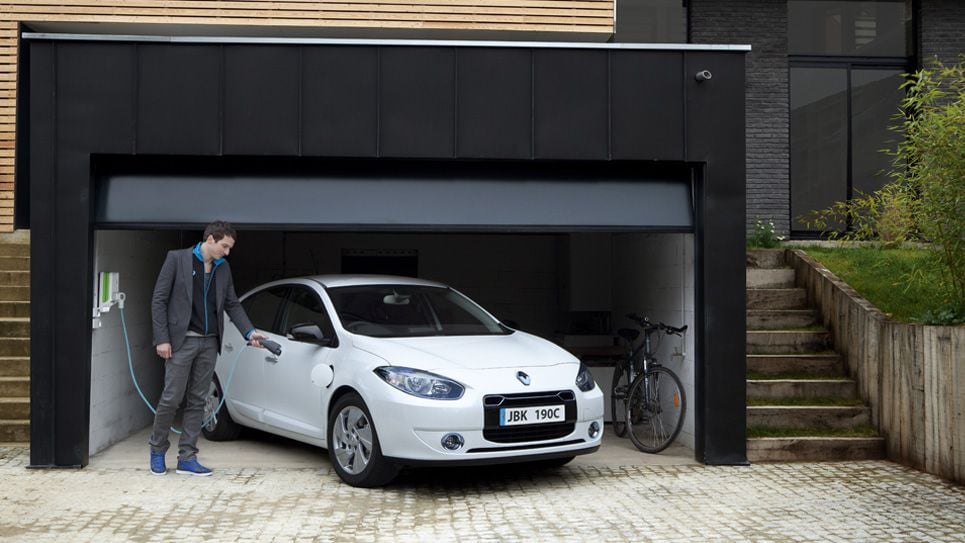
(15, 408)
(14, 431)
(777, 298)
(779, 278)
(814, 449)
(766, 258)
(787, 341)
(781, 319)
(826, 417)
(14, 294)
(801, 388)
(14, 249)
(15, 310)
(11, 327)
(15, 278)
(14, 387)
(15, 263)
(810, 364)
(14, 346)
(14, 366)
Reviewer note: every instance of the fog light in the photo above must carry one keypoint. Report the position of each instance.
(452, 442)
(594, 430)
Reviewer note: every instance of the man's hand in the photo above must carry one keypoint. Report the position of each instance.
(255, 337)
(164, 350)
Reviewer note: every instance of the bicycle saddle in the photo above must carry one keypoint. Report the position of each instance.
(629, 334)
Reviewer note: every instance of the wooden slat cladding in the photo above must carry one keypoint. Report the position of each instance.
(8, 94)
(564, 16)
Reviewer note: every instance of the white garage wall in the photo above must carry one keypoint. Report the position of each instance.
(653, 275)
(116, 410)
(516, 276)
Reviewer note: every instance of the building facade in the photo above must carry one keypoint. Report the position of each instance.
(110, 107)
(821, 78)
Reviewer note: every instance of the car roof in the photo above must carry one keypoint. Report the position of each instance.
(351, 280)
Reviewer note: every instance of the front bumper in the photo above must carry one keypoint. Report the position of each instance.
(411, 430)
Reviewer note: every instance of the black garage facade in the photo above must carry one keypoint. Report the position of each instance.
(144, 132)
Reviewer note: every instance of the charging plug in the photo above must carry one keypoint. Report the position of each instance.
(272, 346)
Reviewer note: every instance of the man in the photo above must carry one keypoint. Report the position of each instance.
(192, 293)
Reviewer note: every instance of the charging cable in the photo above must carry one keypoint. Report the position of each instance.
(130, 364)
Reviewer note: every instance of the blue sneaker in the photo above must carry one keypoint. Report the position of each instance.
(157, 463)
(192, 467)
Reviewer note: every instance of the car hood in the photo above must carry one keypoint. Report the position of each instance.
(515, 350)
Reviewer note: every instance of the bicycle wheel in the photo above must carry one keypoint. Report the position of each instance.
(656, 409)
(618, 400)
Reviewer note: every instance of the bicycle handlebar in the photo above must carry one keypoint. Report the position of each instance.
(645, 323)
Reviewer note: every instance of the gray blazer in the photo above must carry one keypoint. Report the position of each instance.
(173, 292)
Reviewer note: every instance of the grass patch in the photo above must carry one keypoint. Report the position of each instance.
(904, 283)
(820, 401)
(860, 431)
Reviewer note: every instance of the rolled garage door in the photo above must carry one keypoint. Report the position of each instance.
(396, 195)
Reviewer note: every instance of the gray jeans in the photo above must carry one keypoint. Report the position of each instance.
(189, 370)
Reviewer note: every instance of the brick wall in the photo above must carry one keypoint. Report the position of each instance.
(763, 25)
(941, 30)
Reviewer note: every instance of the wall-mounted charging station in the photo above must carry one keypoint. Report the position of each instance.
(108, 294)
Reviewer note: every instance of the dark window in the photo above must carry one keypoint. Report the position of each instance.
(262, 308)
(846, 60)
(875, 95)
(819, 139)
(305, 307)
(856, 28)
(651, 21)
(839, 125)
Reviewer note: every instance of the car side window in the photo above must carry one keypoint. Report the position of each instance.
(306, 307)
(262, 308)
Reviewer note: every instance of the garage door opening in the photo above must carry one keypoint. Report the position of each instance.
(572, 288)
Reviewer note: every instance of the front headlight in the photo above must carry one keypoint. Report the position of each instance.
(584, 379)
(421, 383)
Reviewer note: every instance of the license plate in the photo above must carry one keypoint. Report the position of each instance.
(511, 416)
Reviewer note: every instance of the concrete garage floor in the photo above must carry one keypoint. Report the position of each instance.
(258, 449)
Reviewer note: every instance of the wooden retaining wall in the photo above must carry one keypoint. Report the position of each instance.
(912, 376)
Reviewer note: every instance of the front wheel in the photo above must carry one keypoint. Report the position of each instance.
(353, 445)
(656, 409)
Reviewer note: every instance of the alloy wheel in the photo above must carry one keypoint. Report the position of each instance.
(352, 436)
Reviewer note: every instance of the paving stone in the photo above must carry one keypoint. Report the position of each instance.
(857, 501)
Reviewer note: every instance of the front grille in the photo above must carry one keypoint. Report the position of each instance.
(492, 431)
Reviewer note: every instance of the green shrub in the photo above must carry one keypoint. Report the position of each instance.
(925, 199)
(764, 236)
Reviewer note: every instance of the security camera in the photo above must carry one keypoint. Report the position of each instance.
(704, 75)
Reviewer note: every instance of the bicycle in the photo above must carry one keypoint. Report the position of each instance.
(647, 398)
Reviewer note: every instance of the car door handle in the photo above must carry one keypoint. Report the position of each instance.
(229, 347)
(271, 359)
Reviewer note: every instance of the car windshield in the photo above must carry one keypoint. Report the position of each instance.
(410, 311)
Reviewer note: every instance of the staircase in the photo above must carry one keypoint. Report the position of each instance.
(14, 339)
(801, 405)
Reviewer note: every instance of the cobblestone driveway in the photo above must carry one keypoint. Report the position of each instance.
(863, 501)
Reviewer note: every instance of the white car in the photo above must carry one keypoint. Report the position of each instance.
(389, 372)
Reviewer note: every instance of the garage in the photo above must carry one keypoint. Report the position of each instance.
(560, 186)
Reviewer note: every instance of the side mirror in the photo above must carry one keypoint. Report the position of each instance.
(308, 333)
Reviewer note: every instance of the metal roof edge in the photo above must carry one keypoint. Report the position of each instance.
(255, 40)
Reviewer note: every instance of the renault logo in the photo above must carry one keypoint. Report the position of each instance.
(523, 378)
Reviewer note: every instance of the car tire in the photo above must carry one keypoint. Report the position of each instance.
(222, 427)
(353, 445)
